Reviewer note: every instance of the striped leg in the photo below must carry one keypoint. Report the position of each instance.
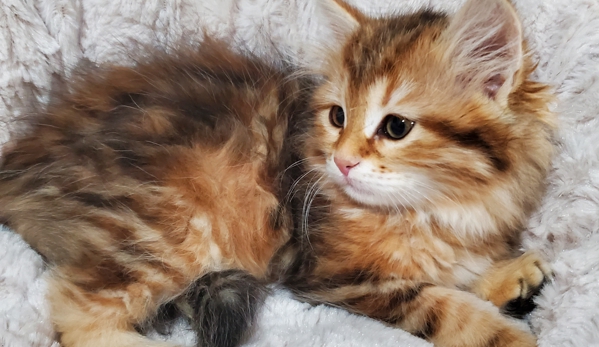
(100, 318)
(446, 317)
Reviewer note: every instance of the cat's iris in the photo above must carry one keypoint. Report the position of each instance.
(396, 127)
(337, 116)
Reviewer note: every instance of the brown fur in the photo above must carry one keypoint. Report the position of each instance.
(138, 182)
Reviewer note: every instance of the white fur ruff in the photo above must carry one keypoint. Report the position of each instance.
(42, 37)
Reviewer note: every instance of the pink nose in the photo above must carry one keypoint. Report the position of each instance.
(346, 164)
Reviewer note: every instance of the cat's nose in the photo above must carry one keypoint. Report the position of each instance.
(346, 164)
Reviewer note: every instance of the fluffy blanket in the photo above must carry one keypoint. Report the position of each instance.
(39, 38)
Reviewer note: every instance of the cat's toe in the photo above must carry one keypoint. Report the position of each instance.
(521, 306)
(533, 272)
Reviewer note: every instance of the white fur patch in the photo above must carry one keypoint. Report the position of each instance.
(466, 219)
(202, 224)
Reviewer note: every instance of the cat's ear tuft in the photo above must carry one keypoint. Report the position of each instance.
(485, 46)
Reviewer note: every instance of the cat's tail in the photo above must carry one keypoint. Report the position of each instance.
(221, 307)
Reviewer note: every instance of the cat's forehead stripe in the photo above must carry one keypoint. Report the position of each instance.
(399, 93)
(374, 107)
(388, 94)
(382, 99)
(378, 46)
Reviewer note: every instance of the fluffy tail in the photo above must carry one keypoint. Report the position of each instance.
(221, 307)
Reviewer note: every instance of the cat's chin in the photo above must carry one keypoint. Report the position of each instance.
(361, 197)
(369, 197)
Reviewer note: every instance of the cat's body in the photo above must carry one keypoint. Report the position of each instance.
(139, 181)
(395, 189)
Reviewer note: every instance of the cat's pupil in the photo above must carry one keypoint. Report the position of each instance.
(337, 116)
(396, 127)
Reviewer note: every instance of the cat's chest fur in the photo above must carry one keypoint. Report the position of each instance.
(407, 246)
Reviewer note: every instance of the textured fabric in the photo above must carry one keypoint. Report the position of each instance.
(39, 38)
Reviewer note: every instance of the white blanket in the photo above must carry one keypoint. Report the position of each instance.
(42, 37)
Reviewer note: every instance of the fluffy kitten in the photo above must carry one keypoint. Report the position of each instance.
(429, 149)
(396, 189)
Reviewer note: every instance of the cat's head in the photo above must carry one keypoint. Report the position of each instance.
(426, 108)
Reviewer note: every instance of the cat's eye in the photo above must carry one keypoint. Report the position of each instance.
(396, 127)
(337, 116)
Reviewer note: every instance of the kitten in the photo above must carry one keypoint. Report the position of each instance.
(429, 149)
(396, 189)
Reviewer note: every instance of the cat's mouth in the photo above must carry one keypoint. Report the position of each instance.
(357, 185)
(352, 186)
(371, 191)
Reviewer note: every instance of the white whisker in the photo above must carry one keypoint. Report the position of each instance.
(311, 194)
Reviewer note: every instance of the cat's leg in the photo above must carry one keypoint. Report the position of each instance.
(446, 317)
(101, 317)
(510, 284)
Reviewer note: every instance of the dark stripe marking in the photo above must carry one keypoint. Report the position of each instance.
(470, 139)
(431, 325)
(100, 201)
(386, 307)
(494, 341)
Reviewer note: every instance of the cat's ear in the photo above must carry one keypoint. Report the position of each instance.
(340, 18)
(336, 20)
(485, 46)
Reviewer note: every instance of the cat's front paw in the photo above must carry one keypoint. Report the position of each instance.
(531, 274)
(511, 285)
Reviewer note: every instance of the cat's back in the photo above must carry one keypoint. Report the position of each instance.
(207, 97)
(184, 147)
